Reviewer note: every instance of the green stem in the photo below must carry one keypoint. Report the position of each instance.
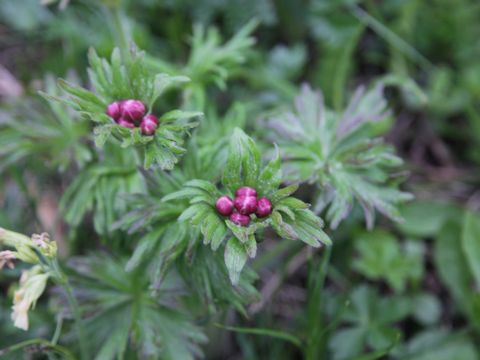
(57, 348)
(75, 308)
(315, 346)
(58, 330)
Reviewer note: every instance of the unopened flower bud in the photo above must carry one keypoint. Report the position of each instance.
(264, 207)
(239, 219)
(148, 126)
(133, 110)
(125, 123)
(246, 191)
(114, 110)
(246, 205)
(224, 205)
(151, 117)
(46, 246)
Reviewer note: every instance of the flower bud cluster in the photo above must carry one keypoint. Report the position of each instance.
(131, 114)
(246, 203)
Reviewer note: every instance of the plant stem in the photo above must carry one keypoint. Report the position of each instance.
(65, 284)
(315, 345)
(59, 349)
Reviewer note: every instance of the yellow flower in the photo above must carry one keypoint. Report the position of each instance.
(32, 285)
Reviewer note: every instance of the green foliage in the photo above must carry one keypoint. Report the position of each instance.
(211, 61)
(127, 78)
(99, 188)
(370, 319)
(381, 256)
(140, 210)
(122, 311)
(33, 131)
(290, 217)
(340, 153)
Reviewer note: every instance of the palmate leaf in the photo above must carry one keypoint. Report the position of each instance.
(121, 311)
(213, 61)
(341, 153)
(30, 131)
(290, 217)
(164, 241)
(128, 78)
(99, 188)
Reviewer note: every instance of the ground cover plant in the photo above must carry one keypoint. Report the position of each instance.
(268, 179)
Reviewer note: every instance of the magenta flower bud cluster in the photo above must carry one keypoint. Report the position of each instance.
(131, 114)
(246, 203)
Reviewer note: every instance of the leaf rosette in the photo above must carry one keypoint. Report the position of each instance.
(124, 78)
(290, 217)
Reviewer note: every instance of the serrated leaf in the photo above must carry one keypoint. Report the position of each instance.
(235, 259)
(271, 175)
(283, 193)
(102, 133)
(251, 246)
(204, 185)
(293, 203)
(241, 232)
(179, 114)
(182, 194)
(283, 229)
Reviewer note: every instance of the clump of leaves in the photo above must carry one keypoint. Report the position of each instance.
(341, 154)
(290, 217)
(369, 322)
(210, 60)
(101, 188)
(123, 313)
(126, 77)
(381, 256)
(33, 130)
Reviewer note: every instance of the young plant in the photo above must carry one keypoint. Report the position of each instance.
(259, 203)
(123, 107)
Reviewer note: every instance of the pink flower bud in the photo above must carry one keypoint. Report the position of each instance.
(125, 123)
(148, 126)
(224, 205)
(133, 110)
(264, 207)
(151, 117)
(245, 205)
(239, 219)
(114, 110)
(246, 191)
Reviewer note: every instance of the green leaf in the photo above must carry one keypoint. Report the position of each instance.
(243, 162)
(102, 133)
(283, 229)
(179, 114)
(283, 193)
(271, 176)
(281, 335)
(382, 257)
(185, 193)
(425, 218)
(471, 242)
(235, 259)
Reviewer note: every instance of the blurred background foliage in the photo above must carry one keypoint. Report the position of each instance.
(409, 289)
